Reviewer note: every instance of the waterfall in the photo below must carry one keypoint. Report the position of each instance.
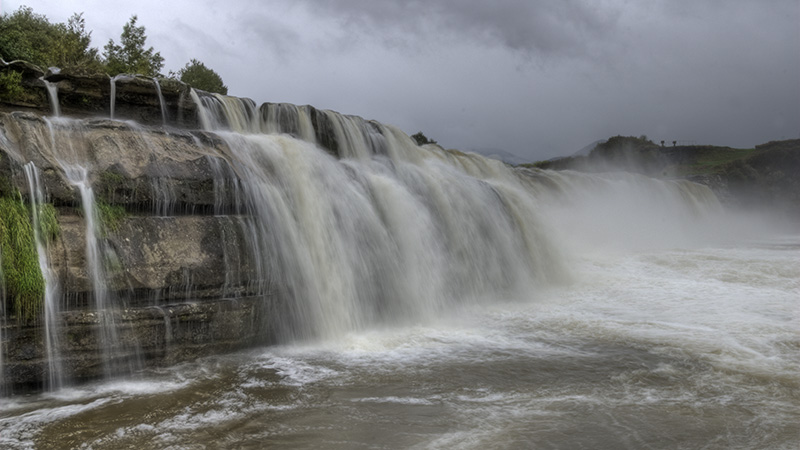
(357, 138)
(277, 118)
(52, 93)
(113, 96)
(221, 112)
(386, 232)
(161, 102)
(118, 357)
(354, 243)
(52, 293)
(394, 232)
(105, 306)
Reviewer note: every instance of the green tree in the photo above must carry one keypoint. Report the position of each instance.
(77, 54)
(31, 37)
(131, 56)
(197, 75)
(421, 139)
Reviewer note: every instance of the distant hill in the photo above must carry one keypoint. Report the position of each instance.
(764, 176)
(588, 149)
(501, 155)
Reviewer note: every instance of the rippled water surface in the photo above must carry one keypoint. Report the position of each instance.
(690, 348)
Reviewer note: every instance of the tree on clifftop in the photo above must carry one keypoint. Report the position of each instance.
(197, 75)
(421, 139)
(30, 37)
(131, 56)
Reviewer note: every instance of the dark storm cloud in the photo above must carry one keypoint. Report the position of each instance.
(536, 77)
(719, 72)
(541, 26)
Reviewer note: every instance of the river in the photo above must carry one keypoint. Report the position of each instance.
(678, 347)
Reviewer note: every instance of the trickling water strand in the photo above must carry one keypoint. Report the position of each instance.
(52, 294)
(113, 97)
(78, 176)
(227, 190)
(52, 93)
(167, 326)
(161, 102)
(117, 358)
(114, 79)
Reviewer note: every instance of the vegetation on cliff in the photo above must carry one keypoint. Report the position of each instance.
(27, 36)
(31, 37)
(22, 278)
(421, 139)
(196, 74)
(23, 281)
(641, 155)
(130, 56)
(765, 176)
(111, 216)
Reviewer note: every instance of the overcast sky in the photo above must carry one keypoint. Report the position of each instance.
(539, 78)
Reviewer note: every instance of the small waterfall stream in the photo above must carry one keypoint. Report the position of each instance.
(52, 293)
(113, 96)
(52, 93)
(66, 139)
(161, 102)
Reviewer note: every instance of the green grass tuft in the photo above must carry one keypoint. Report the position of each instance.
(111, 216)
(48, 222)
(22, 277)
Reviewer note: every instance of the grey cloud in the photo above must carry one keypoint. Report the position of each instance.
(270, 31)
(543, 27)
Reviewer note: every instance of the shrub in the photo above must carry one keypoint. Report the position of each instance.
(197, 75)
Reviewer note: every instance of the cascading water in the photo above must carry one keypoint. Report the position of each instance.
(220, 112)
(52, 293)
(113, 96)
(52, 93)
(358, 138)
(117, 357)
(390, 232)
(277, 118)
(161, 102)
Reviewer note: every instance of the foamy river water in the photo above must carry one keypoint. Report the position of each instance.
(651, 348)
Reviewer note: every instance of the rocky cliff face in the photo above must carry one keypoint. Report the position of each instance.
(155, 260)
(175, 258)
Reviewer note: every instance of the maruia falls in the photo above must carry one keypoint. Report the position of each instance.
(155, 228)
